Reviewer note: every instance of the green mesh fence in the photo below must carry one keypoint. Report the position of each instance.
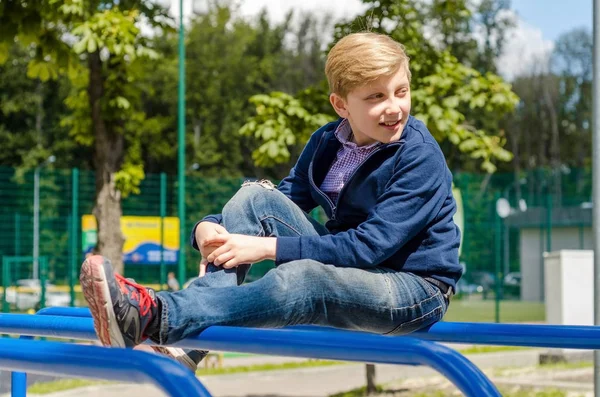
(553, 200)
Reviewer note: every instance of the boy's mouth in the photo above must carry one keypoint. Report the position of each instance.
(390, 124)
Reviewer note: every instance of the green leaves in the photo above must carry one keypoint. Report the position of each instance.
(113, 30)
(281, 121)
(445, 100)
(4, 52)
(128, 179)
(42, 70)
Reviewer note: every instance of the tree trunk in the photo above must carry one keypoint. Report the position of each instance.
(39, 114)
(515, 140)
(554, 140)
(371, 383)
(109, 147)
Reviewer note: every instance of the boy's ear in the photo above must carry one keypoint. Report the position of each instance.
(339, 105)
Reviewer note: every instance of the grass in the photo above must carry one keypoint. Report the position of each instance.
(62, 384)
(566, 365)
(266, 367)
(66, 384)
(484, 311)
(491, 349)
(361, 392)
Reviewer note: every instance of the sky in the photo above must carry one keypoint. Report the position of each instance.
(539, 23)
(553, 17)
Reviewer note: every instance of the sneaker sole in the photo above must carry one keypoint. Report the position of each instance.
(177, 354)
(96, 293)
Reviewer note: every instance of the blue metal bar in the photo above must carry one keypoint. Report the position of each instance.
(99, 363)
(533, 335)
(348, 346)
(317, 343)
(18, 384)
(584, 337)
(18, 380)
(65, 311)
(52, 326)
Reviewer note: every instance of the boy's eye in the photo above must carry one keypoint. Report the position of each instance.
(402, 91)
(375, 96)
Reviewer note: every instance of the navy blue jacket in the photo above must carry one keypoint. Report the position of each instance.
(394, 211)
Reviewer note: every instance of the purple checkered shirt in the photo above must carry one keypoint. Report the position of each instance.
(348, 157)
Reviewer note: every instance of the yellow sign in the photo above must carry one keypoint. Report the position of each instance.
(142, 238)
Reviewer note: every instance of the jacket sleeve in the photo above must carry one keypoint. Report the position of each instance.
(296, 186)
(214, 218)
(412, 199)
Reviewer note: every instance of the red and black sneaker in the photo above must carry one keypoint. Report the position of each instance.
(124, 312)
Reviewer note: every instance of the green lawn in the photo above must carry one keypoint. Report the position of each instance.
(484, 311)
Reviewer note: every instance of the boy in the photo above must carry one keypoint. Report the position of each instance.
(385, 262)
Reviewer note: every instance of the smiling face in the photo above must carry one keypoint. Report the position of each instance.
(378, 111)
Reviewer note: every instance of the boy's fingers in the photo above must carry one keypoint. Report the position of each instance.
(221, 230)
(203, 264)
(216, 253)
(224, 258)
(230, 264)
(216, 239)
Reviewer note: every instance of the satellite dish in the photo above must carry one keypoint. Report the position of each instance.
(522, 205)
(502, 208)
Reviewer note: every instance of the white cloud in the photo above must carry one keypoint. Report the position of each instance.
(277, 9)
(525, 52)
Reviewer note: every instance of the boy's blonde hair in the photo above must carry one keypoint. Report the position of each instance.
(361, 58)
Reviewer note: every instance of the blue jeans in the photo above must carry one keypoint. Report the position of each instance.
(377, 300)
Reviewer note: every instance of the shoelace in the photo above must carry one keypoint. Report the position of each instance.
(140, 293)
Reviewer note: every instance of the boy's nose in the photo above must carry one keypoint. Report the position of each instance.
(392, 108)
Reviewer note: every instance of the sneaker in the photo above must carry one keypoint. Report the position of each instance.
(124, 312)
(189, 358)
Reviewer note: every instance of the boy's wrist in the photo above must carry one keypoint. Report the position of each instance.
(270, 248)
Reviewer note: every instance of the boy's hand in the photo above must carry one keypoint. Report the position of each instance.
(202, 267)
(205, 231)
(239, 249)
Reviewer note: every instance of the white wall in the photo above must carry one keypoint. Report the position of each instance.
(532, 245)
(569, 287)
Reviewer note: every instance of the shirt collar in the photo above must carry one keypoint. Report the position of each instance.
(344, 134)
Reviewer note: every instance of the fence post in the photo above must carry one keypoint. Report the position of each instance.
(17, 234)
(163, 210)
(43, 273)
(74, 234)
(5, 283)
(497, 259)
(549, 222)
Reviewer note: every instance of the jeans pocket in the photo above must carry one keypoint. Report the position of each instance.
(430, 287)
(429, 310)
(427, 319)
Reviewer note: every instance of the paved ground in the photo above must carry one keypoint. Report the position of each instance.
(308, 382)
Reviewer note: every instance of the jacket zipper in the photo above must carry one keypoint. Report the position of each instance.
(380, 148)
(314, 185)
(310, 176)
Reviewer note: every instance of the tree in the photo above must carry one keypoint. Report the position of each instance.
(449, 96)
(494, 21)
(572, 62)
(98, 45)
(550, 128)
(30, 113)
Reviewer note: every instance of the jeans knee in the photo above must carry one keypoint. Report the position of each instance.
(250, 195)
(302, 271)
